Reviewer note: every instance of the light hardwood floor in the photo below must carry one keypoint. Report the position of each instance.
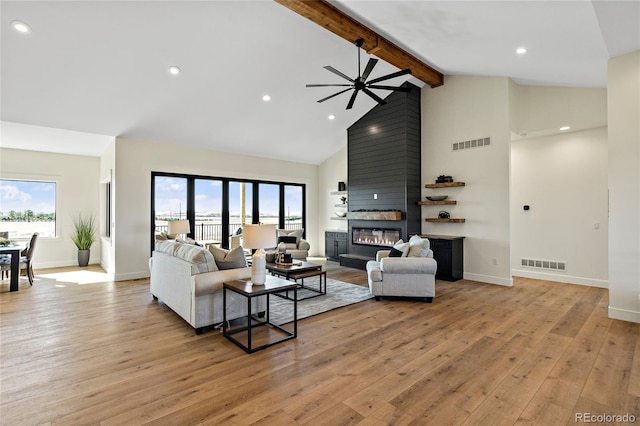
(106, 353)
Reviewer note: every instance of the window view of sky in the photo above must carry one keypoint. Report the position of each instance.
(171, 196)
(19, 196)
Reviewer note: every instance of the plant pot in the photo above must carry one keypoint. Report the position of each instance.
(83, 257)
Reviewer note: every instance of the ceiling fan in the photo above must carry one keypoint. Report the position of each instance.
(361, 83)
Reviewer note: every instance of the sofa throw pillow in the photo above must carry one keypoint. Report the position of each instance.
(228, 259)
(418, 247)
(293, 233)
(402, 247)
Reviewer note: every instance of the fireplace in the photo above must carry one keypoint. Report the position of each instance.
(377, 237)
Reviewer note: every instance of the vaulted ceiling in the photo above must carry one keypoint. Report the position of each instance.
(101, 67)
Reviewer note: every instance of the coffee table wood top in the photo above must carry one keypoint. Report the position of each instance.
(289, 269)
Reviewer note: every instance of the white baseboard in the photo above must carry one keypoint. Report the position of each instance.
(132, 276)
(568, 279)
(624, 315)
(508, 282)
(62, 264)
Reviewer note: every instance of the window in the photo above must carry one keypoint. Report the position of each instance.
(269, 202)
(208, 211)
(293, 206)
(27, 207)
(170, 201)
(216, 206)
(240, 205)
(107, 209)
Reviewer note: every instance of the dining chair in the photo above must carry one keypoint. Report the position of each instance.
(5, 235)
(26, 257)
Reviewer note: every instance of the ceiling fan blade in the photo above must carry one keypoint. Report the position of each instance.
(335, 71)
(374, 96)
(372, 63)
(394, 88)
(329, 85)
(353, 99)
(392, 75)
(335, 94)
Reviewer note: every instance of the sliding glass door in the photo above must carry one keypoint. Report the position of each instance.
(216, 207)
(207, 202)
(169, 201)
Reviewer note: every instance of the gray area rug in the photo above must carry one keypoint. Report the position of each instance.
(339, 294)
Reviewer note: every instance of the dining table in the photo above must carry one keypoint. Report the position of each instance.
(14, 252)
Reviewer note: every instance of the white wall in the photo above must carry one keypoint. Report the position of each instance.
(136, 159)
(77, 191)
(563, 178)
(624, 186)
(542, 110)
(467, 108)
(331, 171)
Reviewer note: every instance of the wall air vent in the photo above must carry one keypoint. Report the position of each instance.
(474, 143)
(544, 264)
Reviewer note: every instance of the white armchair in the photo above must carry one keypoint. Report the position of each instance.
(406, 276)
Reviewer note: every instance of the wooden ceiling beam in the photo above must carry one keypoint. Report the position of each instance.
(328, 16)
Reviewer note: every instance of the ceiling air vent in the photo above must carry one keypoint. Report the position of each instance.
(474, 143)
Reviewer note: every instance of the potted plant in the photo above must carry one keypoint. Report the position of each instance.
(84, 235)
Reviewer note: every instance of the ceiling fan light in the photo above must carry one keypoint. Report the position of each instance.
(266, 98)
(331, 117)
(173, 70)
(521, 50)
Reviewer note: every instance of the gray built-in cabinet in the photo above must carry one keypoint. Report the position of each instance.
(335, 244)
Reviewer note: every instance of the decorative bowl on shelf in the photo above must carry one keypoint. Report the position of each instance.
(341, 214)
(437, 197)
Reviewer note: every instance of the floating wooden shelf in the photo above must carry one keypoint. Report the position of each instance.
(375, 215)
(437, 203)
(338, 218)
(444, 185)
(450, 220)
(339, 205)
(338, 193)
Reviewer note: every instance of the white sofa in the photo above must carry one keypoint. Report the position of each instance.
(186, 278)
(406, 276)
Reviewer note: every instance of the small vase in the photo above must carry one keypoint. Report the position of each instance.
(83, 257)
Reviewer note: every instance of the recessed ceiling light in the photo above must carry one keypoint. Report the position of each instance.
(174, 70)
(563, 128)
(331, 117)
(266, 98)
(21, 27)
(521, 50)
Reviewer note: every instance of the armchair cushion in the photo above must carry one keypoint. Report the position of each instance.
(293, 232)
(418, 247)
(402, 247)
(408, 265)
(394, 252)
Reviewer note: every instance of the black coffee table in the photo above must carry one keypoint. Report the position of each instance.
(299, 270)
(246, 288)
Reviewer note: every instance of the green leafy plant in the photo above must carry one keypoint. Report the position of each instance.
(5, 242)
(84, 234)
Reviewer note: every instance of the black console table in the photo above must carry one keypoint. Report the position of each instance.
(448, 252)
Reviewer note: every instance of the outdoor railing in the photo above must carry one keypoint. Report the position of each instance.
(212, 232)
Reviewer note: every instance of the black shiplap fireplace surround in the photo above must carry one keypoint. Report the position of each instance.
(384, 153)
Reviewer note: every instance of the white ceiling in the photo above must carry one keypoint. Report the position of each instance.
(101, 67)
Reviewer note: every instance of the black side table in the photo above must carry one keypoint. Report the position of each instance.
(246, 288)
